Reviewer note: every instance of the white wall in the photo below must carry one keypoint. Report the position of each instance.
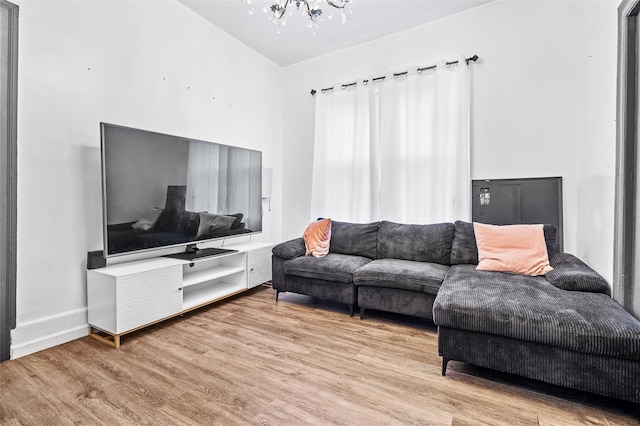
(532, 115)
(596, 137)
(153, 65)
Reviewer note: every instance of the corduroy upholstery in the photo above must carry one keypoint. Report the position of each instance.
(416, 304)
(322, 289)
(602, 375)
(332, 267)
(534, 328)
(570, 273)
(423, 243)
(422, 277)
(532, 309)
(290, 249)
(404, 260)
(463, 246)
(358, 239)
(562, 328)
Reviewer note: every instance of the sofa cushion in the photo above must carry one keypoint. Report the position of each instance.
(189, 222)
(214, 223)
(532, 309)
(148, 219)
(463, 247)
(571, 273)
(423, 277)
(424, 243)
(359, 239)
(237, 221)
(550, 238)
(332, 267)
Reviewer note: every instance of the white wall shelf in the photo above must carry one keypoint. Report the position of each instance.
(126, 297)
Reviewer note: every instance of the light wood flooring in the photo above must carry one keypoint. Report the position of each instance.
(249, 360)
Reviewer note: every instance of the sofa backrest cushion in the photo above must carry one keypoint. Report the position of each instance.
(189, 222)
(463, 248)
(237, 223)
(465, 251)
(423, 243)
(359, 239)
(550, 234)
(215, 224)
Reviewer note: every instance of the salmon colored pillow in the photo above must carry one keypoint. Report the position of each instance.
(519, 249)
(317, 237)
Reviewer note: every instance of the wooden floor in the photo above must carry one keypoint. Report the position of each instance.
(251, 361)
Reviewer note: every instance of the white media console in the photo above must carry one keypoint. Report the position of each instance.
(126, 297)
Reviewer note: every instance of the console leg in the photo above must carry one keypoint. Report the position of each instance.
(362, 312)
(112, 340)
(445, 361)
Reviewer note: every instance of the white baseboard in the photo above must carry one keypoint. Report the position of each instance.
(44, 333)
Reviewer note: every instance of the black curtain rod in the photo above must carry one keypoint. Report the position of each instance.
(473, 58)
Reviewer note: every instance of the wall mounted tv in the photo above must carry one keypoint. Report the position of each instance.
(164, 191)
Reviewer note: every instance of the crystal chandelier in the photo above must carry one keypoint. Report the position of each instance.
(278, 10)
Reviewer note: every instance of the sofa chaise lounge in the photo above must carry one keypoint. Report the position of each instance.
(562, 328)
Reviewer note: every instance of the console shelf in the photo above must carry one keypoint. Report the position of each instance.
(198, 277)
(126, 297)
(200, 296)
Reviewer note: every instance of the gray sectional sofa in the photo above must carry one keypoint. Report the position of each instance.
(562, 328)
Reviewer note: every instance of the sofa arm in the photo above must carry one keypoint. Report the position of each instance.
(571, 273)
(278, 277)
(290, 249)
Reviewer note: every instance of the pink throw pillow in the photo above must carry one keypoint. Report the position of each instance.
(519, 249)
(317, 238)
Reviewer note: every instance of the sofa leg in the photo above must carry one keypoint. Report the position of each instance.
(351, 310)
(362, 312)
(445, 361)
(277, 293)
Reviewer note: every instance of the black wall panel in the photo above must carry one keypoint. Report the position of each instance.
(519, 201)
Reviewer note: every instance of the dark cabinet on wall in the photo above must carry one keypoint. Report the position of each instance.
(519, 201)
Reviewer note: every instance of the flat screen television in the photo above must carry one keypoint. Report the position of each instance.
(163, 191)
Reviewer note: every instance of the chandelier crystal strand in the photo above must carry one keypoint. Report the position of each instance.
(276, 10)
(250, 3)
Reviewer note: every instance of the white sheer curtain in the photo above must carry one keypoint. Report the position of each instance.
(204, 174)
(394, 150)
(344, 172)
(423, 134)
(224, 180)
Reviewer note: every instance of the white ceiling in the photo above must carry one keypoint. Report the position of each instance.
(371, 19)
